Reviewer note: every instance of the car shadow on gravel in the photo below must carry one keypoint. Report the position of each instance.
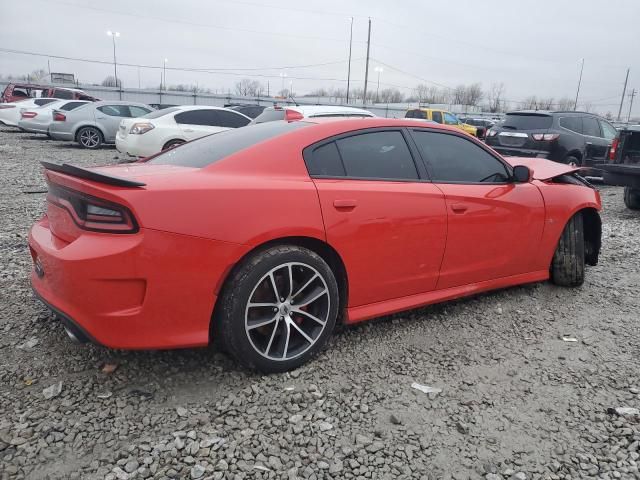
(76, 146)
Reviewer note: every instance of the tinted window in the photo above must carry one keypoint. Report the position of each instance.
(269, 115)
(229, 119)
(192, 117)
(325, 160)
(572, 123)
(377, 155)
(450, 119)
(161, 113)
(115, 110)
(517, 121)
(590, 127)
(416, 114)
(207, 150)
(65, 94)
(136, 111)
(43, 101)
(72, 105)
(436, 117)
(456, 159)
(608, 130)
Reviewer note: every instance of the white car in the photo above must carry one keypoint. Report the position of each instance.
(298, 112)
(10, 112)
(163, 129)
(37, 120)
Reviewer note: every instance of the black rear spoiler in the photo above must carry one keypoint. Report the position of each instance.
(86, 174)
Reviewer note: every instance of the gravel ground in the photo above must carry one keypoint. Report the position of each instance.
(516, 401)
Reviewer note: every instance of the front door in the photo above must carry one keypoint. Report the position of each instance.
(386, 222)
(494, 225)
(596, 146)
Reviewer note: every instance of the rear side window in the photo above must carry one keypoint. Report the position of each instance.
(64, 94)
(212, 148)
(591, 127)
(456, 159)
(572, 123)
(43, 101)
(269, 115)
(230, 119)
(437, 117)
(115, 110)
(517, 121)
(325, 161)
(378, 155)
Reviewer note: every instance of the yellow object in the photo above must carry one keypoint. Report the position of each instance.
(443, 117)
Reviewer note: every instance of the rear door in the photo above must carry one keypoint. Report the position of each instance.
(197, 123)
(385, 220)
(596, 145)
(494, 225)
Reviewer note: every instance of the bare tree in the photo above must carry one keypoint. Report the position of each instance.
(565, 103)
(530, 103)
(494, 96)
(248, 88)
(390, 95)
(546, 103)
(110, 81)
(473, 94)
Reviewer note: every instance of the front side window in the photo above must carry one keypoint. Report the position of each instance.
(377, 155)
(450, 119)
(456, 159)
(608, 130)
(591, 127)
(416, 114)
(436, 117)
(115, 110)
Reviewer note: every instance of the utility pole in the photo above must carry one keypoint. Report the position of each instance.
(624, 90)
(349, 67)
(366, 70)
(49, 67)
(113, 36)
(631, 95)
(575, 105)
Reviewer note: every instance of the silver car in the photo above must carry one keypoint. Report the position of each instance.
(38, 119)
(94, 124)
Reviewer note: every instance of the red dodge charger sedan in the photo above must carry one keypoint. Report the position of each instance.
(266, 236)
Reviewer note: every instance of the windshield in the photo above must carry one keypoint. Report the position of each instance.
(520, 121)
(207, 150)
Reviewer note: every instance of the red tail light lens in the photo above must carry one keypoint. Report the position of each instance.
(292, 115)
(92, 213)
(547, 137)
(29, 114)
(59, 117)
(613, 151)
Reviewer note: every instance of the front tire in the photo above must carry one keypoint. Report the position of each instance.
(632, 198)
(90, 137)
(567, 266)
(278, 308)
(572, 161)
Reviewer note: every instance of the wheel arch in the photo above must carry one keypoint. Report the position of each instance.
(320, 247)
(573, 153)
(592, 234)
(84, 125)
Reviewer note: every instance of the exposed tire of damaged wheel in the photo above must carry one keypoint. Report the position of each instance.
(567, 266)
(230, 316)
(632, 198)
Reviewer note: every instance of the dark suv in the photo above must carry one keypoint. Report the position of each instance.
(568, 137)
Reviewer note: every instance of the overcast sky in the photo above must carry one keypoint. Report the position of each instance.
(533, 46)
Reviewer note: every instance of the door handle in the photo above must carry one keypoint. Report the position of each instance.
(345, 204)
(188, 130)
(458, 208)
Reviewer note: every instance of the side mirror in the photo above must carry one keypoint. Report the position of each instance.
(521, 174)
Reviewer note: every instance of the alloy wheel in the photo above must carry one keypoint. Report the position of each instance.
(287, 311)
(89, 138)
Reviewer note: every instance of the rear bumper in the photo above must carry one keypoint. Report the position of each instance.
(142, 291)
(130, 145)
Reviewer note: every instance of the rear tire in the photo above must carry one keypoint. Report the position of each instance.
(262, 316)
(632, 198)
(572, 160)
(567, 266)
(172, 144)
(89, 137)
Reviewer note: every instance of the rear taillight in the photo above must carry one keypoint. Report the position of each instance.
(292, 115)
(547, 137)
(140, 128)
(59, 117)
(29, 114)
(613, 151)
(92, 213)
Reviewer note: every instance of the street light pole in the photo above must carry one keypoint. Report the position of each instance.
(349, 67)
(283, 75)
(164, 73)
(113, 36)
